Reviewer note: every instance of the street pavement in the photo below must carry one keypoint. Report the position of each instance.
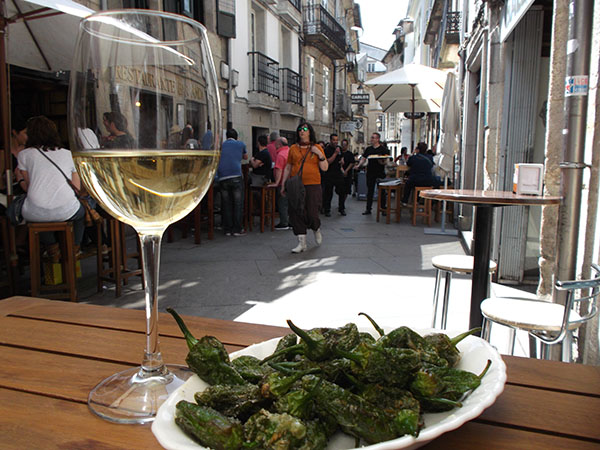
(362, 266)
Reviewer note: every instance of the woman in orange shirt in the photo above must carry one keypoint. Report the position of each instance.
(311, 178)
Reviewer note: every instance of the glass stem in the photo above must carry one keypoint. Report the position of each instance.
(150, 244)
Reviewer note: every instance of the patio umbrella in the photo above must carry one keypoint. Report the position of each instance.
(448, 142)
(39, 35)
(412, 88)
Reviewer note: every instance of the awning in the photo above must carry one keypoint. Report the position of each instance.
(41, 34)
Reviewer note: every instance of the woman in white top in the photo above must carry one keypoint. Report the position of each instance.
(49, 196)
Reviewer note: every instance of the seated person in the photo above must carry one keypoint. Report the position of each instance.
(421, 172)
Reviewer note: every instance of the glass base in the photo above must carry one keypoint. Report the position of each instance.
(134, 395)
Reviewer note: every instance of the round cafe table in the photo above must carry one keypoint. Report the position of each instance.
(485, 202)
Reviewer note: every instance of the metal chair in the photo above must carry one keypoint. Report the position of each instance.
(549, 323)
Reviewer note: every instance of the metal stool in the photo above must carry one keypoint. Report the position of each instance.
(450, 264)
(67, 259)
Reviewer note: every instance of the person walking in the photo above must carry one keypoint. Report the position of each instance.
(308, 155)
(347, 173)
(282, 201)
(231, 184)
(332, 178)
(375, 168)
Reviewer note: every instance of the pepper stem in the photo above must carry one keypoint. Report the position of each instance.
(456, 339)
(283, 351)
(377, 327)
(487, 366)
(189, 338)
(303, 334)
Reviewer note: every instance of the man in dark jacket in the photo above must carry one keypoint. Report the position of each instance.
(420, 171)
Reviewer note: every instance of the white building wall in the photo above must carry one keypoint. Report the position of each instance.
(240, 46)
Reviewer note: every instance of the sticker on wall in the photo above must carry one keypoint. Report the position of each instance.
(576, 85)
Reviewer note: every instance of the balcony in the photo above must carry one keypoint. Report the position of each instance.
(291, 93)
(452, 32)
(290, 12)
(343, 105)
(264, 82)
(323, 32)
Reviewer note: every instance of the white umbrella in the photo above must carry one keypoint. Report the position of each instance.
(41, 34)
(415, 85)
(448, 143)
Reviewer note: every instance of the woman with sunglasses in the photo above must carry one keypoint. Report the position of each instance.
(314, 159)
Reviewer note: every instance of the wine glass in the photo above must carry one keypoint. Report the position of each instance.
(138, 76)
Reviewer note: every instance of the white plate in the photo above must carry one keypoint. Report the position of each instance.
(474, 355)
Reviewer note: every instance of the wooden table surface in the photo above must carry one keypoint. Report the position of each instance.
(490, 198)
(54, 353)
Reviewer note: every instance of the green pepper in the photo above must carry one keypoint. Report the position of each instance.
(277, 384)
(354, 414)
(397, 402)
(377, 364)
(208, 427)
(275, 431)
(240, 401)
(207, 357)
(375, 325)
(446, 347)
(442, 388)
(250, 368)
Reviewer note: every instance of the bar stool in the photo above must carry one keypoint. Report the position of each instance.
(397, 189)
(421, 209)
(450, 264)
(113, 267)
(202, 214)
(267, 206)
(67, 247)
(8, 280)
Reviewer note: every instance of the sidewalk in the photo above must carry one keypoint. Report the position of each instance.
(362, 265)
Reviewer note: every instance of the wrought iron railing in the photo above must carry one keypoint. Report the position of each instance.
(452, 23)
(318, 21)
(297, 4)
(291, 86)
(264, 74)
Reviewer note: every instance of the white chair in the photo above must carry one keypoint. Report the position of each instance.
(450, 264)
(549, 323)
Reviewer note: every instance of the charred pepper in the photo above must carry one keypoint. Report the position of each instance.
(240, 401)
(209, 427)
(207, 357)
(250, 368)
(446, 347)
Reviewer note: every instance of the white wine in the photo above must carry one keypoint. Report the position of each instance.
(147, 189)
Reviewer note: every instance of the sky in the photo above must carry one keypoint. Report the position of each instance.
(379, 18)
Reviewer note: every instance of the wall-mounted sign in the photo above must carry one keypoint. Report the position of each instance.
(576, 85)
(347, 126)
(417, 115)
(360, 99)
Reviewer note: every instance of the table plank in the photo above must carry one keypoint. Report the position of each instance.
(242, 334)
(88, 342)
(49, 374)
(32, 421)
(479, 435)
(553, 375)
(549, 411)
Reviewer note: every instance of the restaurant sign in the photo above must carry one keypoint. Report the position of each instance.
(360, 99)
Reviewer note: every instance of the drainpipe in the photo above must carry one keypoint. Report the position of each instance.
(229, 86)
(572, 165)
(483, 105)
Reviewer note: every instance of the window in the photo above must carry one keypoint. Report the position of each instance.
(190, 8)
(310, 103)
(371, 67)
(325, 94)
(137, 4)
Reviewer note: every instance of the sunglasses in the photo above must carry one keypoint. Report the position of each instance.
(303, 129)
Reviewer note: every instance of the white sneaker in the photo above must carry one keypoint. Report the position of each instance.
(318, 236)
(301, 247)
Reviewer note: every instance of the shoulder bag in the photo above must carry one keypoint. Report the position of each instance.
(14, 208)
(91, 215)
(295, 190)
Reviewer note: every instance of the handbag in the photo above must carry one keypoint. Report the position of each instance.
(14, 208)
(91, 215)
(295, 190)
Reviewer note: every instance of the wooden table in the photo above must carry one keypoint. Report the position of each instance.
(53, 353)
(485, 202)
